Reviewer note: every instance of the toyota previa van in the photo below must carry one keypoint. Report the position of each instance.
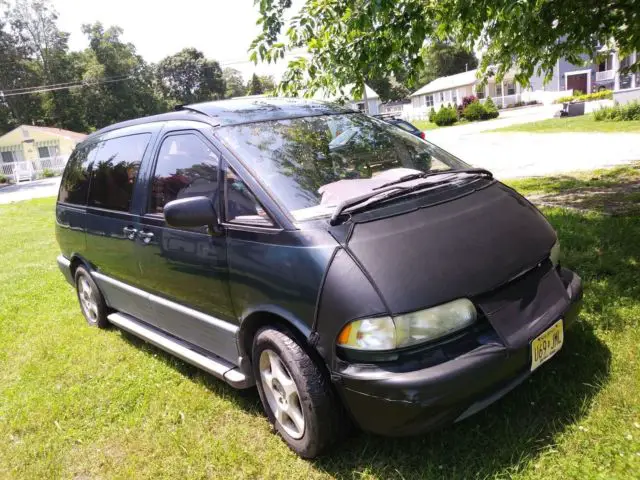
(352, 272)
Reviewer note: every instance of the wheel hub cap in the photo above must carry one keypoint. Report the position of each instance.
(281, 394)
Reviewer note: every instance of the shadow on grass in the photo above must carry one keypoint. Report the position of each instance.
(504, 438)
(614, 192)
(246, 399)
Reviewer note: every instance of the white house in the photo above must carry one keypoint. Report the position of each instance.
(373, 99)
(452, 89)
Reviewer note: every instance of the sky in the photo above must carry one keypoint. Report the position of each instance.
(222, 29)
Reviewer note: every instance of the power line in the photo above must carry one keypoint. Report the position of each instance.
(62, 84)
(52, 89)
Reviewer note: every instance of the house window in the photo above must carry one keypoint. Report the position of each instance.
(361, 107)
(44, 152)
(454, 96)
(441, 97)
(480, 92)
(498, 89)
(429, 100)
(8, 157)
(511, 88)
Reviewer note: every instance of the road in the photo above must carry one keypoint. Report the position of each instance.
(515, 154)
(47, 187)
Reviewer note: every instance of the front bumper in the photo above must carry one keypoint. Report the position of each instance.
(397, 404)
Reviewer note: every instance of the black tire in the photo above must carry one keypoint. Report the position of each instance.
(97, 317)
(323, 414)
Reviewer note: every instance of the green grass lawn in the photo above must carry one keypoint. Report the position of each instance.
(80, 403)
(584, 123)
(424, 124)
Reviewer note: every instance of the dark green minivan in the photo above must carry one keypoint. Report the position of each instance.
(353, 272)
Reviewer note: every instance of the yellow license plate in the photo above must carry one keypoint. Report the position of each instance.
(547, 344)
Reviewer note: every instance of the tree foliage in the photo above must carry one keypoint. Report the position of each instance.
(255, 86)
(352, 40)
(105, 83)
(189, 77)
(442, 59)
(234, 83)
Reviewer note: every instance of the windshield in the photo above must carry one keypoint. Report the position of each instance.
(313, 163)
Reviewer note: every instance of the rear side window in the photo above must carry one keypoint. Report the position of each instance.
(74, 186)
(186, 167)
(115, 170)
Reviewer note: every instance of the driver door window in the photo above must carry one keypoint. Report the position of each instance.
(241, 206)
(186, 167)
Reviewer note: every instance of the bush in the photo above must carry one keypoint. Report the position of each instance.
(3, 179)
(432, 115)
(46, 173)
(474, 111)
(466, 101)
(589, 97)
(491, 111)
(445, 116)
(618, 113)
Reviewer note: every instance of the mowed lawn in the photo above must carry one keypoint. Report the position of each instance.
(584, 123)
(81, 403)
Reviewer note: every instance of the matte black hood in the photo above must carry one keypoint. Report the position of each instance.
(460, 248)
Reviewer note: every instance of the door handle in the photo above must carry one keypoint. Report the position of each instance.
(145, 236)
(130, 232)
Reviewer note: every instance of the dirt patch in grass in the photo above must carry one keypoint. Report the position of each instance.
(614, 191)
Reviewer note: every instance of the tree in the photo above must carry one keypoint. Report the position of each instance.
(126, 83)
(351, 40)
(234, 83)
(268, 83)
(388, 88)
(189, 77)
(442, 59)
(255, 86)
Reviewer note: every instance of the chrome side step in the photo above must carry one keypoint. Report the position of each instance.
(215, 366)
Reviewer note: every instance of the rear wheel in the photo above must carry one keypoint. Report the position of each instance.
(91, 300)
(296, 394)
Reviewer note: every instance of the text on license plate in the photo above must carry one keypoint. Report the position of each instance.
(547, 344)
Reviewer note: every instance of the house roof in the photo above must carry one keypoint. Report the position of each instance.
(446, 83)
(25, 129)
(348, 89)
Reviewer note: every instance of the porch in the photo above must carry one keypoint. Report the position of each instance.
(505, 94)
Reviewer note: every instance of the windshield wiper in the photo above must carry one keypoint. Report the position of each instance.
(394, 189)
(415, 176)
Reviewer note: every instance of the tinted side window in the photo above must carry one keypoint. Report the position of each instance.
(74, 186)
(115, 170)
(186, 167)
(241, 206)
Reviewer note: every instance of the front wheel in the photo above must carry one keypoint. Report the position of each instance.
(296, 394)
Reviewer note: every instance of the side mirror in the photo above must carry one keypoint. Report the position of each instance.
(190, 212)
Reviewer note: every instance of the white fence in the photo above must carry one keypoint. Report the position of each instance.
(31, 170)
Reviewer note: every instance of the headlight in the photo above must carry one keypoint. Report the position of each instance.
(554, 254)
(385, 333)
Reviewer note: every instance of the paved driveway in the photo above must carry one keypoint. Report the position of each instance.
(47, 187)
(515, 154)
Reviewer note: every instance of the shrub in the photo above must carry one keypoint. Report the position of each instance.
(589, 97)
(46, 173)
(491, 111)
(432, 114)
(445, 116)
(618, 113)
(468, 100)
(474, 111)
(3, 179)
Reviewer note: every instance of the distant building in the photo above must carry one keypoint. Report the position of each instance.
(28, 150)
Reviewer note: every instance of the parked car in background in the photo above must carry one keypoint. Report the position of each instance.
(403, 124)
(349, 270)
